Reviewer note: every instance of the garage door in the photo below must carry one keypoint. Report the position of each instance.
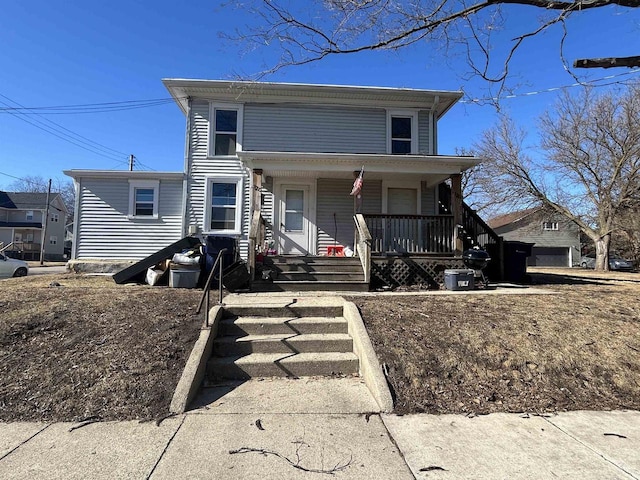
(549, 257)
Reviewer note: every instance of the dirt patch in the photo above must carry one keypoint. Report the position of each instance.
(579, 349)
(75, 347)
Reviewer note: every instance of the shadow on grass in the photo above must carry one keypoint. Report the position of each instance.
(561, 279)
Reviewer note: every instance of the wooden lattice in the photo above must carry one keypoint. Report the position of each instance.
(408, 271)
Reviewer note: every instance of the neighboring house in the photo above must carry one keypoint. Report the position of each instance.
(285, 155)
(556, 239)
(22, 224)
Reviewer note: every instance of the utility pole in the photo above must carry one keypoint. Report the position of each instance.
(46, 222)
(131, 158)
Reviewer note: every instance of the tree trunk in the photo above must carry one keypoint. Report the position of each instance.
(602, 252)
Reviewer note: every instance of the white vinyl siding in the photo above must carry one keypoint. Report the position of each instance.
(203, 166)
(107, 232)
(294, 128)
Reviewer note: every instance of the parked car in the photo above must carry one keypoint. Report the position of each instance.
(12, 267)
(615, 262)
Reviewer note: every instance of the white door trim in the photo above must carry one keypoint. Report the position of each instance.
(278, 183)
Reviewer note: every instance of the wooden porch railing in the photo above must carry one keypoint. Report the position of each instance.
(256, 240)
(411, 233)
(25, 246)
(476, 231)
(363, 245)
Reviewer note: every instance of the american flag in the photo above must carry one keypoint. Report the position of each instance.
(357, 184)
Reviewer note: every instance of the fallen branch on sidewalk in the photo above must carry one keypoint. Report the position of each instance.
(330, 471)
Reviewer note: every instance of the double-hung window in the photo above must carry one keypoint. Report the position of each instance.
(29, 215)
(226, 123)
(402, 132)
(224, 205)
(143, 198)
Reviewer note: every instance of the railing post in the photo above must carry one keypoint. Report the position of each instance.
(456, 208)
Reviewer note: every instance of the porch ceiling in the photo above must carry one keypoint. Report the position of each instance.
(336, 165)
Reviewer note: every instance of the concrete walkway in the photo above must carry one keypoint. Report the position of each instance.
(282, 428)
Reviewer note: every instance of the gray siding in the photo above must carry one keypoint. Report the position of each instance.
(335, 209)
(290, 128)
(201, 166)
(428, 201)
(424, 128)
(106, 231)
(530, 230)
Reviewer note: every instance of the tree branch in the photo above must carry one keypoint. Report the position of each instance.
(630, 62)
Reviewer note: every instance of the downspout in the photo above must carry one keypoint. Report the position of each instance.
(187, 172)
(433, 130)
(76, 215)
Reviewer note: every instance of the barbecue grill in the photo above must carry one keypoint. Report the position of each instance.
(477, 260)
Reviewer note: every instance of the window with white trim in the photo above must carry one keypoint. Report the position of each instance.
(224, 205)
(143, 198)
(226, 129)
(55, 217)
(550, 226)
(402, 132)
(53, 240)
(29, 215)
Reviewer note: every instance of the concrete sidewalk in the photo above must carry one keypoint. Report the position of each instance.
(282, 428)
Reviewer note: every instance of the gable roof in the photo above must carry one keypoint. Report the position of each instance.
(439, 101)
(25, 200)
(512, 217)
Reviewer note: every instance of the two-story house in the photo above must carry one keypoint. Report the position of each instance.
(22, 225)
(273, 165)
(556, 239)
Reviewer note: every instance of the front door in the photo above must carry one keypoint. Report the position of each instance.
(294, 219)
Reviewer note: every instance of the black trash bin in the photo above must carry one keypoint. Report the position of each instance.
(213, 245)
(515, 260)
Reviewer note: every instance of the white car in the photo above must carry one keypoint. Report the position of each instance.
(12, 267)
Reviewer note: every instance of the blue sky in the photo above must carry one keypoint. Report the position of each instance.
(79, 52)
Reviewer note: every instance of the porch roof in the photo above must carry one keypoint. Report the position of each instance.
(336, 165)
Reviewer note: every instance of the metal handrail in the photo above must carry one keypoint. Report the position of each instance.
(207, 288)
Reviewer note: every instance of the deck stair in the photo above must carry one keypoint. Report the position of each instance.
(304, 273)
(282, 341)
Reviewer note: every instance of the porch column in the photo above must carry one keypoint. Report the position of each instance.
(257, 190)
(254, 229)
(456, 208)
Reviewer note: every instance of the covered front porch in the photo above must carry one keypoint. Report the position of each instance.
(301, 206)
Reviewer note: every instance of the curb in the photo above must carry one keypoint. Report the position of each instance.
(195, 368)
(370, 368)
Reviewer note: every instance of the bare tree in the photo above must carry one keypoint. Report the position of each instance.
(39, 184)
(590, 170)
(309, 31)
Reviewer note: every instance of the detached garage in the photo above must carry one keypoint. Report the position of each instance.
(556, 239)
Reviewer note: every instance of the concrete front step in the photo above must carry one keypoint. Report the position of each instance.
(282, 365)
(282, 343)
(281, 325)
(290, 310)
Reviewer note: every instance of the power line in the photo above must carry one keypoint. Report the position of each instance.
(88, 108)
(58, 130)
(593, 83)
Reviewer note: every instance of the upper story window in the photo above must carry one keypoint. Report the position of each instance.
(226, 122)
(143, 198)
(402, 132)
(29, 215)
(550, 226)
(224, 200)
(55, 217)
